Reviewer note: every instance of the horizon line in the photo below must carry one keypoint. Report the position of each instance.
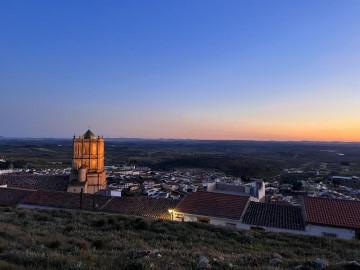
(184, 139)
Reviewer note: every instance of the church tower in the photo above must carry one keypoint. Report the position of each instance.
(87, 171)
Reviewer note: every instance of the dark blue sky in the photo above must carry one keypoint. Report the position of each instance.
(181, 69)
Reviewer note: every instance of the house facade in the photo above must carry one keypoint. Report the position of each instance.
(274, 218)
(255, 189)
(332, 217)
(212, 208)
(316, 217)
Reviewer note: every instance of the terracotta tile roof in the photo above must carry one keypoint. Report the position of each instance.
(213, 205)
(35, 182)
(11, 197)
(332, 212)
(142, 206)
(66, 200)
(274, 215)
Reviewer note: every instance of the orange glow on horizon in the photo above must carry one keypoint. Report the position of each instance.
(232, 130)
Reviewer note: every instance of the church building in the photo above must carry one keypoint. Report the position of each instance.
(87, 171)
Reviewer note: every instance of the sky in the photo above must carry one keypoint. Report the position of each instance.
(189, 69)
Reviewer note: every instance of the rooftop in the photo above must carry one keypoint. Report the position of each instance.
(89, 135)
(11, 197)
(142, 206)
(65, 200)
(35, 182)
(274, 215)
(333, 212)
(213, 205)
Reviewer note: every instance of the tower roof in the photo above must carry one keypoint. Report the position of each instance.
(88, 135)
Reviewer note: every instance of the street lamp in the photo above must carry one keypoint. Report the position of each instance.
(171, 211)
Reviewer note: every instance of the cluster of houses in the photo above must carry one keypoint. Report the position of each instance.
(314, 216)
(223, 204)
(159, 184)
(317, 185)
(204, 197)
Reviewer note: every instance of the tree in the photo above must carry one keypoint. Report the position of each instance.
(297, 185)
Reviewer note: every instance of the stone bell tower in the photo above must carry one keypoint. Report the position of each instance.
(87, 171)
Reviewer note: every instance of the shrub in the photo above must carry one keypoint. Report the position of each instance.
(135, 265)
(98, 244)
(42, 217)
(81, 245)
(140, 224)
(100, 223)
(110, 221)
(247, 238)
(118, 226)
(54, 244)
(22, 215)
(9, 266)
(69, 228)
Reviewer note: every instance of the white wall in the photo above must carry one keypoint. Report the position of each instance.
(239, 225)
(261, 194)
(309, 230)
(34, 206)
(280, 230)
(215, 221)
(319, 230)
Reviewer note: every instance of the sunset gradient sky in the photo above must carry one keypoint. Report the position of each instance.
(200, 69)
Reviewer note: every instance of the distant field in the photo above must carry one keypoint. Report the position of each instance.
(238, 158)
(33, 239)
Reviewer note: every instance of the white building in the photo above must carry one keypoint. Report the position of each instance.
(212, 208)
(255, 189)
(332, 217)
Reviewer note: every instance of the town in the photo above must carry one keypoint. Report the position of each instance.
(170, 135)
(143, 181)
(193, 194)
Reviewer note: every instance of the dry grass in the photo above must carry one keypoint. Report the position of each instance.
(39, 239)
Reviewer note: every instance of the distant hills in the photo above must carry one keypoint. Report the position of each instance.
(189, 140)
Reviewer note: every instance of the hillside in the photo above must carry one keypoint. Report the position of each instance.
(39, 239)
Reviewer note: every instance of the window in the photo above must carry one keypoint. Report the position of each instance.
(179, 217)
(231, 225)
(333, 235)
(203, 220)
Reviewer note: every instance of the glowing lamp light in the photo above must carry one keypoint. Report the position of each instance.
(171, 211)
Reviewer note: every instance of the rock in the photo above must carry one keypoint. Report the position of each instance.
(203, 259)
(230, 265)
(277, 256)
(321, 263)
(353, 265)
(155, 251)
(275, 261)
(158, 255)
(299, 267)
(203, 263)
